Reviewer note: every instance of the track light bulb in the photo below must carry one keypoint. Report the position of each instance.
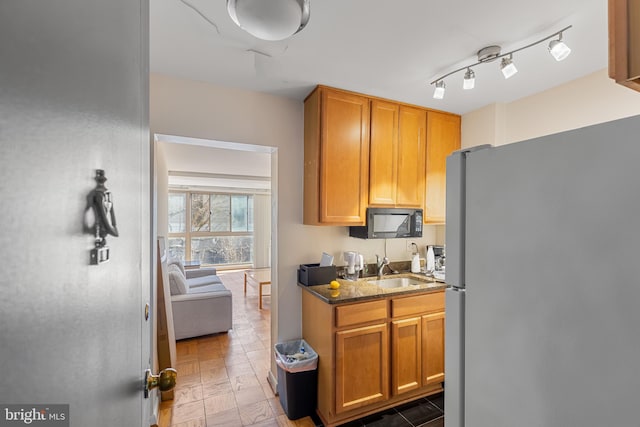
(507, 67)
(439, 92)
(469, 81)
(559, 49)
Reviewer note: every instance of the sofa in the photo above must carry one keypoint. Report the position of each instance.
(200, 302)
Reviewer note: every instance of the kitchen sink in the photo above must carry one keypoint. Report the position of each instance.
(396, 282)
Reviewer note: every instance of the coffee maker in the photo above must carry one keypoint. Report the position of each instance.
(439, 255)
(355, 264)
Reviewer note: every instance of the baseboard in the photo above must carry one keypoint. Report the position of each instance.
(273, 382)
(154, 416)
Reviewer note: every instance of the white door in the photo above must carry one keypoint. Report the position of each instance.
(73, 99)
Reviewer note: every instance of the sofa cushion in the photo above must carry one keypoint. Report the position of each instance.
(202, 311)
(212, 288)
(197, 282)
(177, 281)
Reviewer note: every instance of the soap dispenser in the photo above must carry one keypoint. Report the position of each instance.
(415, 260)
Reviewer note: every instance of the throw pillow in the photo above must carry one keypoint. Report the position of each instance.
(178, 262)
(177, 281)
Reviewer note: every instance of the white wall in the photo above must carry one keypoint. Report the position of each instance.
(161, 190)
(201, 110)
(262, 230)
(589, 100)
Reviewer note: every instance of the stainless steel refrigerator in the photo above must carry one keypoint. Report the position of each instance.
(543, 260)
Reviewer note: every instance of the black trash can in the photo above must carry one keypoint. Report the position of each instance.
(297, 378)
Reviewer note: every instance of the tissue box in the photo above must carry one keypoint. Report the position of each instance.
(313, 274)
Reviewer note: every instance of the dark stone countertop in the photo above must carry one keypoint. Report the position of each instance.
(364, 289)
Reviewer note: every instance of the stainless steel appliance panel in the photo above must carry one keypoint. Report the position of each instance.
(552, 288)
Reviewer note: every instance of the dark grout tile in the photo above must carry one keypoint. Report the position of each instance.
(438, 422)
(438, 400)
(419, 411)
(389, 418)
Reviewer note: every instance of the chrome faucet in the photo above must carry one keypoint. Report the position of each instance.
(380, 263)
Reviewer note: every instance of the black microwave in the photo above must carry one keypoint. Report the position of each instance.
(389, 223)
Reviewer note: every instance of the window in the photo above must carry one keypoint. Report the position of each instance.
(177, 212)
(177, 224)
(220, 227)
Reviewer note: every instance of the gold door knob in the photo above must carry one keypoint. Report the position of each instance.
(165, 381)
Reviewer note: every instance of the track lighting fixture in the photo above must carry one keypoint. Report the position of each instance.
(439, 92)
(557, 48)
(469, 79)
(507, 67)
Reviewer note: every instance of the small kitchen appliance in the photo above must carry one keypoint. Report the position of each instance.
(355, 264)
(389, 223)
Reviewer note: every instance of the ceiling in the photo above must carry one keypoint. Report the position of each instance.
(238, 167)
(387, 48)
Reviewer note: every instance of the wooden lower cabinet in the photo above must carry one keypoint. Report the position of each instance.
(406, 355)
(433, 348)
(362, 367)
(376, 354)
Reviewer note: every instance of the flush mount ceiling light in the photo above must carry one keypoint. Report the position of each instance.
(558, 49)
(270, 19)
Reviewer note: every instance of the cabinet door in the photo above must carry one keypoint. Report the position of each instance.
(412, 141)
(624, 42)
(344, 158)
(443, 137)
(406, 350)
(433, 348)
(383, 168)
(362, 367)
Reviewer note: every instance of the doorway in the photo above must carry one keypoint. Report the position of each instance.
(199, 156)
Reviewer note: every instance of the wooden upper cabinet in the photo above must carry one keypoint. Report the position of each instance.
(412, 143)
(336, 157)
(397, 155)
(443, 137)
(624, 42)
(362, 151)
(383, 165)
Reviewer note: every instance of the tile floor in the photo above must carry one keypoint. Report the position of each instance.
(222, 378)
(426, 412)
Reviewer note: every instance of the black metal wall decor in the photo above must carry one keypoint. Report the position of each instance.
(100, 202)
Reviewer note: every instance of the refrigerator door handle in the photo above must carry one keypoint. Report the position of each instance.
(456, 214)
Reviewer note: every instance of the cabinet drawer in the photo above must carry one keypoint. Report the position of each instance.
(417, 304)
(361, 312)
